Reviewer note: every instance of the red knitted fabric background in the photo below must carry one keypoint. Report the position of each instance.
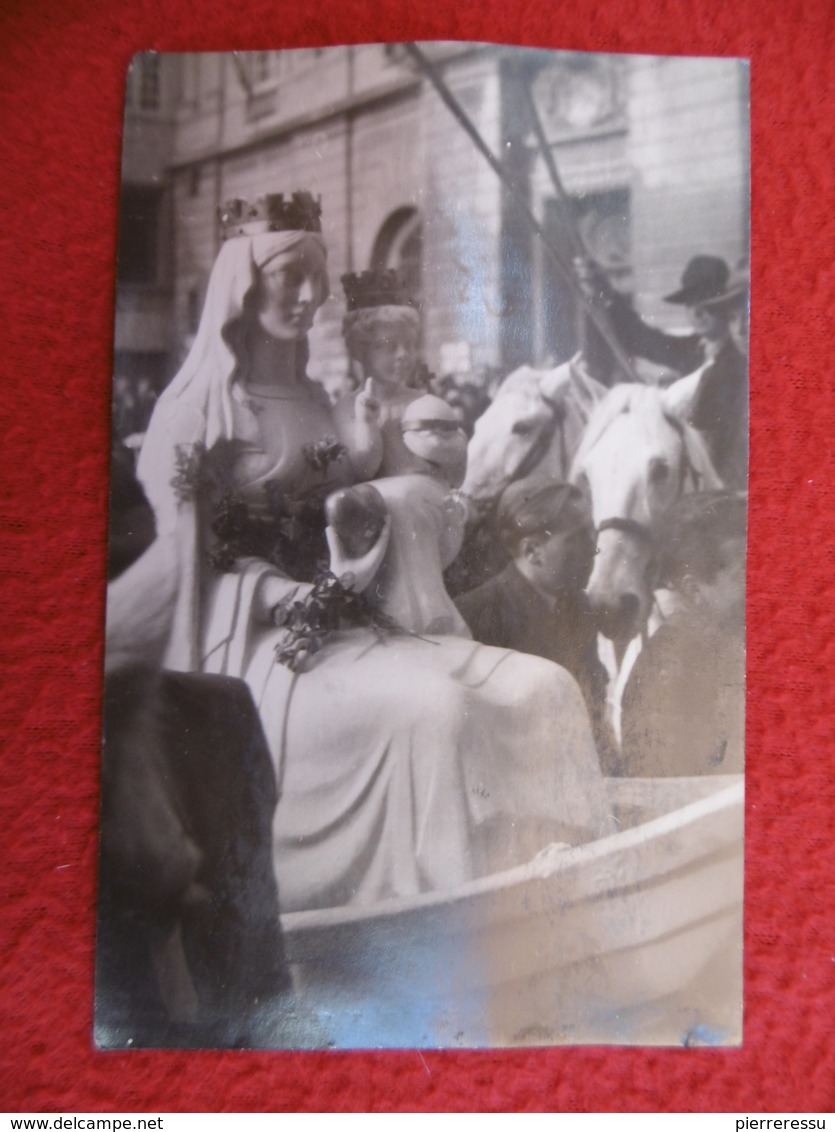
(62, 81)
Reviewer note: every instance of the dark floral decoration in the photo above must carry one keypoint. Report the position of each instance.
(200, 474)
(330, 605)
(323, 453)
(282, 529)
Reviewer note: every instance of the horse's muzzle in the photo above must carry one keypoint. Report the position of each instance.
(618, 620)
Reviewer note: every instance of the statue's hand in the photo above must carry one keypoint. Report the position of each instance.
(368, 404)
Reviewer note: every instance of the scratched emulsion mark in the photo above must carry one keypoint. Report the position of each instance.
(702, 1035)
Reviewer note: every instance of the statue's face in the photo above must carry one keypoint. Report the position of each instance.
(291, 288)
(441, 446)
(434, 432)
(391, 354)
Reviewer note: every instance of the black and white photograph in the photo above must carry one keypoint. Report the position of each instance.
(424, 707)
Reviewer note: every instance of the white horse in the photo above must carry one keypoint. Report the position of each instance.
(638, 456)
(631, 448)
(535, 423)
(533, 427)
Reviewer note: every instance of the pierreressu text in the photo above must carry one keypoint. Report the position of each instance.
(750, 1122)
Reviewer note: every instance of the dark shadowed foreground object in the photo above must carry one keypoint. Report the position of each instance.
(189, 947)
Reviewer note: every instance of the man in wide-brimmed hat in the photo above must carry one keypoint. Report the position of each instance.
(716, 300)
(714, 296)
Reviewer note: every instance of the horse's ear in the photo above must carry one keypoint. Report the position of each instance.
(522, 379)
(679, 398)
(552, 382)
(589, 388)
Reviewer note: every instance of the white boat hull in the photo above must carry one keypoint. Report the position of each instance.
(636, 938)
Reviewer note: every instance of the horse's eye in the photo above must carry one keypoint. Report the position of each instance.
(659, 470)
(523, 428)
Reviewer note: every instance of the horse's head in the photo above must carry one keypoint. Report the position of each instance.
(534, 423)
(637, 458)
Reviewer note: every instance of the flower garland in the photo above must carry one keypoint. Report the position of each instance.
(286, 531)
(283, 529)
(331, 604)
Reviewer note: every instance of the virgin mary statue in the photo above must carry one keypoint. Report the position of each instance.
(404, 763)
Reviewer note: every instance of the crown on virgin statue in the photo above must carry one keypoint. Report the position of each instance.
(271, 213)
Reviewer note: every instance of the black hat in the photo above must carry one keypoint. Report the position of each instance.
(705, 279)
(530, 508)
(737, 288)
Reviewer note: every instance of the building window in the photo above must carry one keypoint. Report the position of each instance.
(139, 234)
(149, 82)
(603, 221)
(191, 80)
(399, 245)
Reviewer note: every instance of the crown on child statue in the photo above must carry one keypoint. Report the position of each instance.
(375, 289)
(271, 213)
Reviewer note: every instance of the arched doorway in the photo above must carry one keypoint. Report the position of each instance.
(399, 246)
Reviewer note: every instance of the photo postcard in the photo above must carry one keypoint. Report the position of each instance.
(425, 647)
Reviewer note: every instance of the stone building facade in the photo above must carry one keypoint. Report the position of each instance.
(652, 154)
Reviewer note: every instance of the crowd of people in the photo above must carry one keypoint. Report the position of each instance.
(416, 742)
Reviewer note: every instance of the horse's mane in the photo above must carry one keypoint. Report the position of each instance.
(628, 398)
(618, 400)
(570, 380)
